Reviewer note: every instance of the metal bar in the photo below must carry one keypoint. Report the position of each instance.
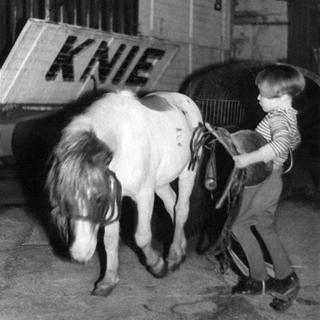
(221, 112)
(47, 9)
(100, 15)
(87, 15)
(31, 8)
(62, 14)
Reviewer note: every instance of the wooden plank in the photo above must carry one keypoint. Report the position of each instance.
(5, 39)
(13, 20)
(68, 11)
(94, 14)
(35, 9)
(84, 13)
(118, 14)
(54, 10)
(107, 15)
(26, 8)
(130, 10)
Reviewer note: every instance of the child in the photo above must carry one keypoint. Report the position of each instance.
(278, 85)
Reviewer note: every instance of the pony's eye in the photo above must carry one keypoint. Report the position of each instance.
(66, 207)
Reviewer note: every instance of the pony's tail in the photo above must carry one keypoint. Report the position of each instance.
(191, 111)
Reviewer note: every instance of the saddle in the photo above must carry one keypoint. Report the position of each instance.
(235, 143)
(242, 141)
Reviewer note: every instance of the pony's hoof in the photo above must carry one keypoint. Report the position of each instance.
(102, 291)
(174, 266)
(159, 273)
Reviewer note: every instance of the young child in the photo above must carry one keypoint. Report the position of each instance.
(278, 85)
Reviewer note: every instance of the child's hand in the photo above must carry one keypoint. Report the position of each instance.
(245, 159)
(242, 160)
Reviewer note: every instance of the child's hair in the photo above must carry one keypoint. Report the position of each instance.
(281, 79)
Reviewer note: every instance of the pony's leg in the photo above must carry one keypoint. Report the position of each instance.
(143, 236)
(111, 277)
(169, 197)
(178, 247)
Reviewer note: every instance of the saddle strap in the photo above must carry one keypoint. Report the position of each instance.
(210, 180)
(290, 166)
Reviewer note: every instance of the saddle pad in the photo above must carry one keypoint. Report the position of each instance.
(156, 103)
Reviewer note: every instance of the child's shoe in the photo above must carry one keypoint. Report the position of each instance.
(285, 292)
(250, 286)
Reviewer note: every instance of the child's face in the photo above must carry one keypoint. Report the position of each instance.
(267, 100)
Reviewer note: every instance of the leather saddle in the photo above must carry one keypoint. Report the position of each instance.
(241, 141)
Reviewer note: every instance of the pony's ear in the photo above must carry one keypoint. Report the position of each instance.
(103, 158)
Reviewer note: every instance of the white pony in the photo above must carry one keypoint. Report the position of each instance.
(123, 146)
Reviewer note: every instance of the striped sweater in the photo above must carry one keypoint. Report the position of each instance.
(280, 129)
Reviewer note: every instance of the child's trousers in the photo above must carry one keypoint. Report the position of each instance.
(257, 209)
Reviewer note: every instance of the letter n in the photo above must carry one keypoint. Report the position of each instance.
(64, 59)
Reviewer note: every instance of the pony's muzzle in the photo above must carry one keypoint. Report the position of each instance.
(85, 242)
(82, 254)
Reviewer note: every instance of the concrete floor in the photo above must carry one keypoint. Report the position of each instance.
(36, 283)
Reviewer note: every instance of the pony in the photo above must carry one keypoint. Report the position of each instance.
(119, 146)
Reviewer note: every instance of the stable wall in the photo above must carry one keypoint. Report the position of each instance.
(260, 30)
(201, 31)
